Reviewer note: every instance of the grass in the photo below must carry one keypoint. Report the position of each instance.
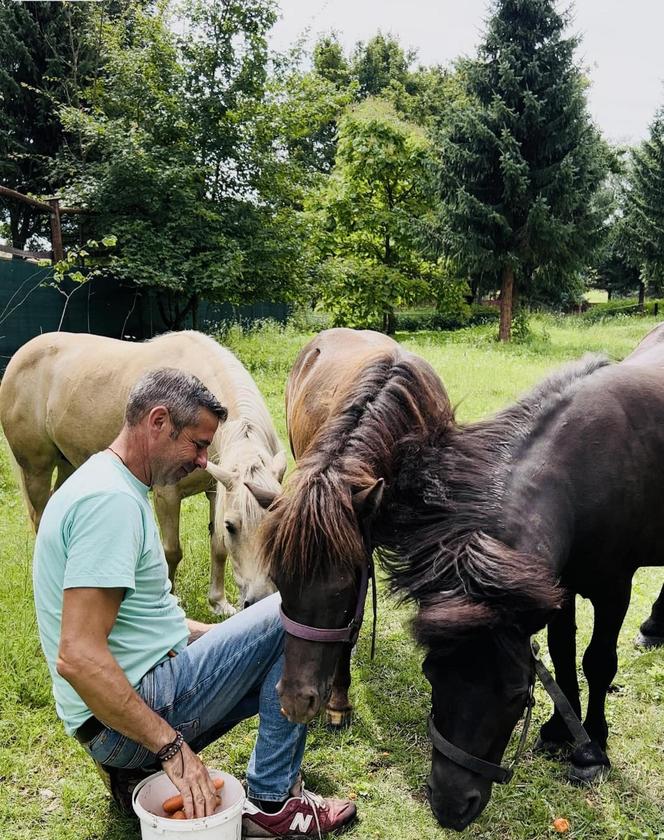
(50, 790)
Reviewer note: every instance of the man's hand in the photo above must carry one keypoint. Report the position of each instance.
(197, 629)
(191, 778)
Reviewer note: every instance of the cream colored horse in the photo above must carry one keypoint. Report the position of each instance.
(62, 398)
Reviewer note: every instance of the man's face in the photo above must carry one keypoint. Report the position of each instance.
(174, 458)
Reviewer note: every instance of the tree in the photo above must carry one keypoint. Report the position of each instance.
(177, 162)
(520, 160)
(47, 56)
(367, 216)
(380, 63)
(644, 207)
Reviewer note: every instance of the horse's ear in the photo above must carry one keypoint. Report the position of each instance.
(278, 466)
(220, 474)
(263, 496)
(366, 502)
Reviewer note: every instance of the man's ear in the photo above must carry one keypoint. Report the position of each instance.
(159, 420)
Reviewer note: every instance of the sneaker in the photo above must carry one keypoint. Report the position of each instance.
(304, 815)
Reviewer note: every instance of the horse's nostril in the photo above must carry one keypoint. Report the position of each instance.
(312, 699)
(473, 807)
(247, 604)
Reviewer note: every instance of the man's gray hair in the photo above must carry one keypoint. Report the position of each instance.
(183, 394)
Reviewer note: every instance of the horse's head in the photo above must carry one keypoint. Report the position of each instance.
(476, 627)
(479, 689)
(243, 496)
(316, 548)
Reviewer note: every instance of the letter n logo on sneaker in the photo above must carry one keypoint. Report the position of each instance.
(301, 823)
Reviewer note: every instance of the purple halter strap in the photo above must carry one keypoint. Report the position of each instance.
(350, 632)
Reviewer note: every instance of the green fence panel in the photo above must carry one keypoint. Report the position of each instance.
(29, 306)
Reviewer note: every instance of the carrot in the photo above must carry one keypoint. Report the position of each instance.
(561, 825)
(176, 803)
(178, 815)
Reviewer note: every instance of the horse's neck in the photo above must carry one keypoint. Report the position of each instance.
(537, 516)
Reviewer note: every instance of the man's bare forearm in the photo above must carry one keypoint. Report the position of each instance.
(102, 685)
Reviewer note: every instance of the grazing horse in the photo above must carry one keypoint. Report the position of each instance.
(562, 493)
(351, 397)
(62, 399)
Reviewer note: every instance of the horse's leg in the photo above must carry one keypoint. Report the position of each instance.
(217, 591)
(37, 489)
(600, 663)
(651, 632)
(561, 637)
(65, 469)
(339, 712)
(167, 502)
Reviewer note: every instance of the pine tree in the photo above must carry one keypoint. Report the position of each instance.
(644, 207)
(520, 160)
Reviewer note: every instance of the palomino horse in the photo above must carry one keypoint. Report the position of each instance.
(62, 398)
(351, 398)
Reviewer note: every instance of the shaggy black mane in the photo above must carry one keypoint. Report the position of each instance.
(440, 538)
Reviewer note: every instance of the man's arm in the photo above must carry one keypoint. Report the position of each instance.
(85, 661)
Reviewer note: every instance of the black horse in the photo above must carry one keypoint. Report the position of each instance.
(562, 493)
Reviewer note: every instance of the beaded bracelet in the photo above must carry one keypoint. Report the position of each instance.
(169, 750)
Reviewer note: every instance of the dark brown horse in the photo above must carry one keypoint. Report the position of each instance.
(351, 398)
(562, 493)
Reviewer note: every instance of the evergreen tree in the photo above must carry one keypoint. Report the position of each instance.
(520, 160)
(644, 210)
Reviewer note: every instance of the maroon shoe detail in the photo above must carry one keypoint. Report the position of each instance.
(302, 816)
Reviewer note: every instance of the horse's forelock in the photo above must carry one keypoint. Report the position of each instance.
(312, 526)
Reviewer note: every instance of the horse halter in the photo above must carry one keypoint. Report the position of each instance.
(497, 772)
(351, 631)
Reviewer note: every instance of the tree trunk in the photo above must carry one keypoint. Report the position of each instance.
(506, 295)
(642, 294)
(608, 294)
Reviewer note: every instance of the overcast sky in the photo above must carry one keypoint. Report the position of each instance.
(621, 47)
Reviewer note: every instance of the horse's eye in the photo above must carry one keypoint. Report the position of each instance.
(230, 527)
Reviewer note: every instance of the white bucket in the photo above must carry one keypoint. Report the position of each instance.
(224, 824)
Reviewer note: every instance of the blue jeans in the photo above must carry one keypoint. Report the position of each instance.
(227, 675)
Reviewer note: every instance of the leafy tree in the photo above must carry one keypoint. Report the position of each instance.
(367, 216)
(380, 63)
(520, 160)
(329, 61)
(644, 207)
(47, 56)
(177, 163)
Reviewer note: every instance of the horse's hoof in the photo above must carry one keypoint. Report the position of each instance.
(644, 641)
(338, 719)
(223, 608)
(587, 775)
(552, 749)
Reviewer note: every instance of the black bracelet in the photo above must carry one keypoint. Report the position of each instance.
(169, 750)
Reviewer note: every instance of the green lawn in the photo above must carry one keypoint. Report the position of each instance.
(49, 789)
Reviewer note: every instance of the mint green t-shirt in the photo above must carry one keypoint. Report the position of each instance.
(98, 530)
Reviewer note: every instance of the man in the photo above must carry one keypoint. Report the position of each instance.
(126, 682)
